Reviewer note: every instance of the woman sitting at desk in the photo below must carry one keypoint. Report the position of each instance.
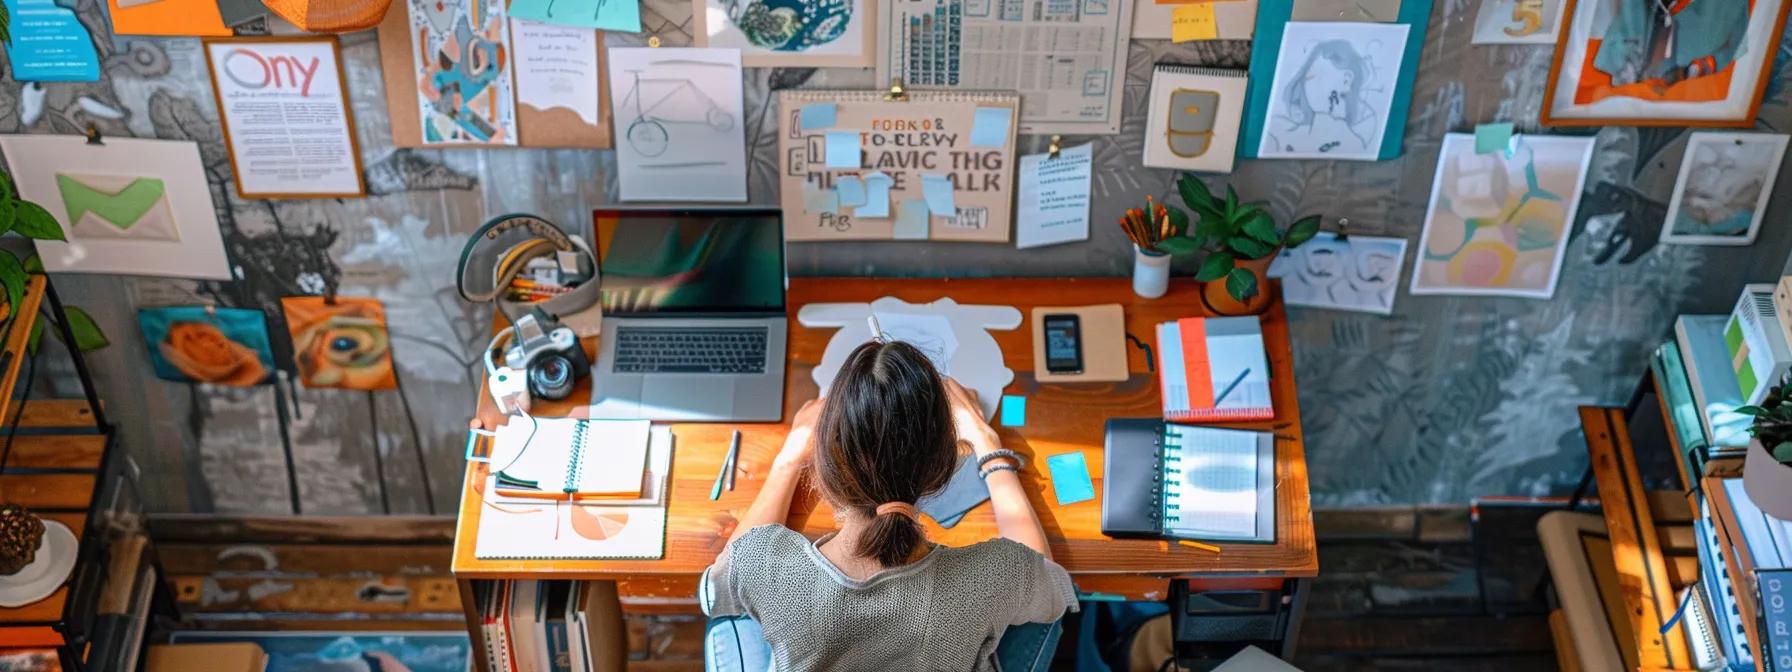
(877, 595)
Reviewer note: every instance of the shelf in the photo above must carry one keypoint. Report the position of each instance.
(18, 335)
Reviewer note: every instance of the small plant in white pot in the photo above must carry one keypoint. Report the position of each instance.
(1767, 474)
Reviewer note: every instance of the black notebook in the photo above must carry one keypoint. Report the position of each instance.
(1184, 482)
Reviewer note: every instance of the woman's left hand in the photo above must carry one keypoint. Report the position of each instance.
(799, 444)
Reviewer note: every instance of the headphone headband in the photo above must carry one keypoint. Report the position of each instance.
(558, 308)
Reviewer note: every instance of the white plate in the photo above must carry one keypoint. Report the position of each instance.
(46, 572)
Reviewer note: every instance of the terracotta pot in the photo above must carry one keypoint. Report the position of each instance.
(1219, 302)
(1767, 482)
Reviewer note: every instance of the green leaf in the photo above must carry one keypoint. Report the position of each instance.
(36, 223)
(1783, 452)
(1212, 228)
(34, 264)
(1241, 284)
(1249, 248)
(1261, 227)
(1302, 230)
(8, 215)
(12, 276)
(88, 335)
(1750, 410)
(1215, 266)
(37, 336)
(1177, 246)
(1195, 194)
(1231, 199)
(1178, 220)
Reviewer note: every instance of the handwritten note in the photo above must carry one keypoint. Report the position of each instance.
(556, 66)
(1054, 198)
(1189, 23)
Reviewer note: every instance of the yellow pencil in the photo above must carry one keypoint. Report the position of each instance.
(1197, 544)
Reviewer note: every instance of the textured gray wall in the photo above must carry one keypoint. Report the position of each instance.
(1447, 399)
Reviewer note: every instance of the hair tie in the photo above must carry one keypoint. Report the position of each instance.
(903, 509)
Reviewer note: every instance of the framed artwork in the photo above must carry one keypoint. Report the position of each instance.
(790, 33)
(1498, 223)
(201, 344)
(1519, 21)
(1724, 184)
(283, 103)
(340, 343)
(1647, 63)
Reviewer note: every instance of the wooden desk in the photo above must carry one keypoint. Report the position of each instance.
(1060, 418)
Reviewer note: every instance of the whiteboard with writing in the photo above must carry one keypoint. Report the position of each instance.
(929, 134)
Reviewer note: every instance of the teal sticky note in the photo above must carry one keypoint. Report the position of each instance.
(815, 116)
(1070, 478)
(843, 149)
(1014, 411)
(911, 220)
(938, 191)
(49, 44)
(851, 191)
(599, 14)
(819, 201)
(877, 196)
(990, 127)
(1490, 138)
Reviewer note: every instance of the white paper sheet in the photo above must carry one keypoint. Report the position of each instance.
(1333, 88)
(283, 107)
(678, 124)
(973, 357)
(1067, 58)
(1054, 198)
(1218, 484)
(140, 243)
(556, 66)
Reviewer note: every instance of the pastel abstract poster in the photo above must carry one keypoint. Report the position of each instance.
(1498, 224)
(1725, 181)
(1333, 88)
(197, 344)
(340, 343)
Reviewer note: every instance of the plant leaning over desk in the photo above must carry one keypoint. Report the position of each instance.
(32, 221)
(1231, 232)
(1773, 422)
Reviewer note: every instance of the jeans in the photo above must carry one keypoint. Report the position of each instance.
(738, 645)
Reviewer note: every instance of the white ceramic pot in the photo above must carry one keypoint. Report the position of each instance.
(1767, 482)
(1150, 273)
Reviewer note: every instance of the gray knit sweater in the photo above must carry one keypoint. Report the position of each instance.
(944, 612)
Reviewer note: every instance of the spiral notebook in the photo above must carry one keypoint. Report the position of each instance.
(1214, 369)
(555, 529)
(563, 458)
(1181, 482)
(1194, 117)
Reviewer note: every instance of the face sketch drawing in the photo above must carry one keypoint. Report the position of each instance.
(1325, 98)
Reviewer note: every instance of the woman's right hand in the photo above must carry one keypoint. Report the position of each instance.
(967, 418)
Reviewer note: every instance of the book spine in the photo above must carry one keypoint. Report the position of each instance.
(1776, 617)
(560, 657)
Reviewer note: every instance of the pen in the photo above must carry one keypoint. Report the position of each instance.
(1197, 544)
(1229, 388)
(726, 475)
(733, 458)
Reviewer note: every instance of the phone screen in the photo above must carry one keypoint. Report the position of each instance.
(1063, 344)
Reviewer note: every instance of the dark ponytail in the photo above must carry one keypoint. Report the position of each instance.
(885, 435)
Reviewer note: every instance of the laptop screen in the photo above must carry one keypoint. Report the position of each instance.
(691, 261)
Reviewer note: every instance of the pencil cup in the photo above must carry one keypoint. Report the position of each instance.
(1150, 273)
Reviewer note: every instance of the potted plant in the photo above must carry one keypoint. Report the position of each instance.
(1767, 473)
(1240, 239)
(32, 221)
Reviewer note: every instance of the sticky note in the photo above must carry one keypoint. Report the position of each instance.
(1189, 23)
(819, 201)
(1014, 411)
(877, 196)
(850, 190)
(937, 189)
(1490, 138)
(818, 115)
(911, 220)
(990, 127)
(1070, 478)
(843, 149)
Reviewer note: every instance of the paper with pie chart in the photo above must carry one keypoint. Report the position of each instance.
(513, 528)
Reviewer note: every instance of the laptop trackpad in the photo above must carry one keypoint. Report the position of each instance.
(687, 397)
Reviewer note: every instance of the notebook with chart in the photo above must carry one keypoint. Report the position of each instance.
(1214, 369)
(553, 529)
(564, 458)
(1194, 115)
(1182, 482)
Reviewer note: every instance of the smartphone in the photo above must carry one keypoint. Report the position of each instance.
(1063, 344)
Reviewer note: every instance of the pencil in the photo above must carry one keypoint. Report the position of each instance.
(1199, 545)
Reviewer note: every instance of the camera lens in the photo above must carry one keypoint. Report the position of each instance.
(551, 377)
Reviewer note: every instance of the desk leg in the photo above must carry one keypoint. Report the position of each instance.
(469, 604)
(1297, 611)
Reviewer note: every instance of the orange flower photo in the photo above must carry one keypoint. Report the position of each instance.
(194, 344)
(340, 344)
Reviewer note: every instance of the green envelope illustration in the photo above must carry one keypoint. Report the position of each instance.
(117, 207)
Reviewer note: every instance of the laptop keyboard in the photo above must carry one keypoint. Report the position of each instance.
(705, 350)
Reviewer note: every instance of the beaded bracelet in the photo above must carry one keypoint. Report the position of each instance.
(999, 454)
(998, 467)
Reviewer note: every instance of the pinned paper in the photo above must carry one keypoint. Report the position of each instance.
(911, 220)
(937, 189)
(877, 196)
(49, 44)
(817, 116)
(1054, 197)
(1189, 23)
(600, 14)
(819, 201)
(1490, 138)
(1014, 411)
(990, 127)
(843, 149)
(1070, 478)
(850, 190)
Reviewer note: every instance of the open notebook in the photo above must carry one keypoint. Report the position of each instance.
(563, 458)
(1214, 369)
(1181, 482)
(532, 529)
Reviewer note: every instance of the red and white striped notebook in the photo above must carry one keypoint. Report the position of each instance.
(1213, 369)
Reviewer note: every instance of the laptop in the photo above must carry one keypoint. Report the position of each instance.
(694, 317)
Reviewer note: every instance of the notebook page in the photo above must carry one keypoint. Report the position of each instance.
(1214, 484)
(535, 451)
(1170, 369)
(615, 456)
(1235, 356)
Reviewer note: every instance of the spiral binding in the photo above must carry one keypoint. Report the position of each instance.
(1170, 456)
(1197, 70)
(914, 95)
(575, 463)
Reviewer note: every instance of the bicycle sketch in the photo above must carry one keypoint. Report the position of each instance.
(674, 101)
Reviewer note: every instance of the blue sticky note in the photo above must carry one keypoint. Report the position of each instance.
(818, 115)
(939, 194)
(600, 14)
(1490, 138)
(877, 196)
(1014, 411)
(843, 149)
(851, 191)
(990, 129)
(49, 44)
(1070, 478)
(819, 201)
(911, 220)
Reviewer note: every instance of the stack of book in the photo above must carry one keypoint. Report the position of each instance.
(1745, 561)
(547, 626)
